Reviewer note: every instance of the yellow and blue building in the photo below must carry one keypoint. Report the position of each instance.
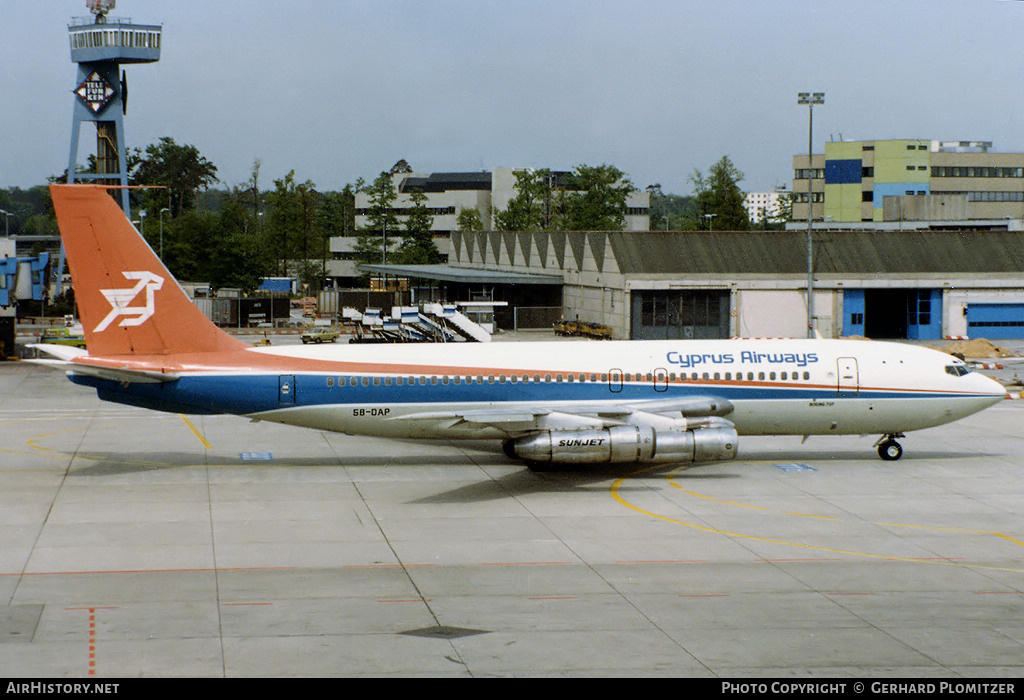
(909, 181)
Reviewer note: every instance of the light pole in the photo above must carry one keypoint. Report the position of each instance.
(709, 217)
(162, 232)
(810, 99)
(7, 222)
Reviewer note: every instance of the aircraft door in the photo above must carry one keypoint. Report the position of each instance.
(849, 378)
(615, 380)
(286, 389)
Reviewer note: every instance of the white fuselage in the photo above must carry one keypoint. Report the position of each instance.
(804, 387)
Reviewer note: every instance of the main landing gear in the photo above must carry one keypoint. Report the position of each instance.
(888, 448)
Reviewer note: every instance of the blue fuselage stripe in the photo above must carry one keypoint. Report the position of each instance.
(248, 394)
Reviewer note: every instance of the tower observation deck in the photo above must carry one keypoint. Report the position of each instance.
(100, 45)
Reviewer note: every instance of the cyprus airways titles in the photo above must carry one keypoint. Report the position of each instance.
(747, 357)
(550, 403)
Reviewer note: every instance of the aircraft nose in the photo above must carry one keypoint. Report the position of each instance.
(988, 385)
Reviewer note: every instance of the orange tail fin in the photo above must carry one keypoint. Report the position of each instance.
(129, 303)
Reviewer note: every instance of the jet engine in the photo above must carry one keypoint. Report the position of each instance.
(625, 444)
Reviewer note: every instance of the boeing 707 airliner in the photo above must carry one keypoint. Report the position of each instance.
(556, 403)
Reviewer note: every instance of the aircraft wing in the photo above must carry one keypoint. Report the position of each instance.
(65, 359)
(515, 420)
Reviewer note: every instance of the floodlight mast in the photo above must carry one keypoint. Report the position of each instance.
(810, 99)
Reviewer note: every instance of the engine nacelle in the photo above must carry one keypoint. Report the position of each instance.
(626, 444)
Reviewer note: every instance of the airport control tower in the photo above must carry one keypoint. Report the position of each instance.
(100, 45)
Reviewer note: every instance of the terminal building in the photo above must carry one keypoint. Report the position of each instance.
(448, 195)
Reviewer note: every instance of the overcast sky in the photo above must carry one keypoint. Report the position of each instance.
(338, 89)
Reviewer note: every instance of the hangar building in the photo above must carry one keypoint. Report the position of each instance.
(718, 284)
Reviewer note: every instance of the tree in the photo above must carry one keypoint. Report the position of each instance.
(595, 199)
(719, 198)
(469, 220)
(591, 198)
(291, 227)
(417, 247)
(377, 237)
(180, 170)
(670, 212)
(531, 208)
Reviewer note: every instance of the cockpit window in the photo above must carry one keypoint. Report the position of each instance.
(958, 370)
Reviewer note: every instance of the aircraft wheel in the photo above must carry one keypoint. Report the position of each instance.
(890, 450)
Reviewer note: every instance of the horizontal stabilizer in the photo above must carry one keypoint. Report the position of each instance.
(65, 361)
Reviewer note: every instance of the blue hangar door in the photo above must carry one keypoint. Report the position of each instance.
(995, 321)
(914, 314)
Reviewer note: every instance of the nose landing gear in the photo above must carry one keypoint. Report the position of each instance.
(888, 448)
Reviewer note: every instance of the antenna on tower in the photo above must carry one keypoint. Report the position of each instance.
(100, 8)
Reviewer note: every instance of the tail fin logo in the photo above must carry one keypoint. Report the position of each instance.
(121, 298)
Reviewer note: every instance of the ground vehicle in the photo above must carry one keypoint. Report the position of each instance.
(320, 334)
(63, 336)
